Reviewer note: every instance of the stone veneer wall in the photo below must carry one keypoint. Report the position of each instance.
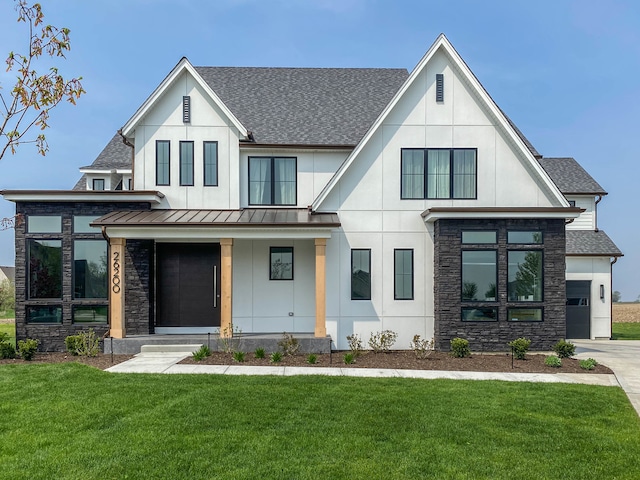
(51, 336)
(494, 336)
(138, 294)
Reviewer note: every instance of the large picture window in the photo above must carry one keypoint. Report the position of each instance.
(45, 268)
(89, 269)
(435, 173)
(360, 274)
(403, 274)
(210, 159)
(525, 275)
(162, 162)
(272, 181)
(186, 163)
(479, 275)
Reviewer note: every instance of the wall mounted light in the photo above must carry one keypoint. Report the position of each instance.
(602, 292)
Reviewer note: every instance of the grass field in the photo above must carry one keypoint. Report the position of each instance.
(625, 331)
(7, 314)
(70, 421)
(10, 329)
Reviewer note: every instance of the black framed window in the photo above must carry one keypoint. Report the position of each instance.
(525, 282)
(403, 274)
(360, 274)
(98, 184)
(479, 275)
(44, 314)
(281, 263)
(479, 236)
(44, 224)
(163, 162)
(90, 314)
(186, 163)
(524, 314)
(437, 173)
(45, 268)
(524, 237)
(272, 180)
(210, 159)
(479, 314)
(90, 269)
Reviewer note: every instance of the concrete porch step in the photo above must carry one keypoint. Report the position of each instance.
(187, 349)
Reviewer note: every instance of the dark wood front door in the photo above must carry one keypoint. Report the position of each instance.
(188, 285)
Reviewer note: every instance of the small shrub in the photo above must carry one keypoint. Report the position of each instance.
(71, 343)
(349, 358)
(564, 349)
(275, 357)
(289, 344)
(520, 347)
(229, 339)
(588, 364)
(355, 344)
(27, 348)
(7, 350)
(312, 359)
(553, 361)
(259, 353)
(460, 347)
(421, 347)
(382, 341)
(238, 357)
(203, 352)
(87, 344)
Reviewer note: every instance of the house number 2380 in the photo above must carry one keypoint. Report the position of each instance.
(115, 281)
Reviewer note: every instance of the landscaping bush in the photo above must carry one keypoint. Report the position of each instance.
(355, 344)
(289, 344)
(203, 352)
(421, 347)
(382, 341)
(259, 353)
(588, 364)
(460, 347)
(86, 344)
(275, 357)
(27, 348)
(238, 357)
(564, 349)
(6, 349)
(312, 359)
(349, 358)
(553, 361)
(519, 347)
(71, 343)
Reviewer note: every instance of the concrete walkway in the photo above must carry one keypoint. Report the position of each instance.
(167, 362)
(621, 356)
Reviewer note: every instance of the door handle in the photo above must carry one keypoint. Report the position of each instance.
(215, 286)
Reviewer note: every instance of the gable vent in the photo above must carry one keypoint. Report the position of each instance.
(439, 87)
(186, 109)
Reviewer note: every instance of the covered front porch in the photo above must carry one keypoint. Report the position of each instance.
(232, 287)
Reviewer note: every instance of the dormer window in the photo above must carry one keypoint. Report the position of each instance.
(98, 184)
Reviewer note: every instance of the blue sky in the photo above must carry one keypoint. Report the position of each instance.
(566, 72)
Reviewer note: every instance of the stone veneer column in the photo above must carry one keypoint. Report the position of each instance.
(321, 288)
(226, 257)
(116, 287)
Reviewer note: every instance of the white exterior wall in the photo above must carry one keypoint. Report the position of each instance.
(208, 123)
(598, 271)
(587, 219)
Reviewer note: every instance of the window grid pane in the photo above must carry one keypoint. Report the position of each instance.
(162, 162)
(438, 174)
(412, 174)
(530, 237)
(360, 274)
(210, 163)
(479, 275)
(90, 269)
(479, 237)
(90, 314)
(44, 224)
(45, 268)
(186, 163)
(464, 174)
(403, 269)
(44, 314)
(284, 181)
(524, 314)
(525, 275)
(281, 266)
(259, 181)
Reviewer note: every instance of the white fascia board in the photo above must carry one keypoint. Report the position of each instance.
(443, 42)
(98, 171)
(183, 65)
(187, 234)
(432, 217)
(123, 171)
(91, 196)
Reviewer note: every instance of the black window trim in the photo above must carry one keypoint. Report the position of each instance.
(482, 249)
(518, 303)
(49, 238)
(470, 230)
(451, 176)
(93, 184)
(537, 245)
(479, 307)
(193, 173)
(204, 164)
(168, 142)
(520, 306)
(351, 273)
(101, 303)
(395, 293)
(78, 238)
(272, 202)
(290, 247)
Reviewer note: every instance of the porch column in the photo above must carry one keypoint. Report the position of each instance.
(116, 287)
(321, 288)
(226, 255)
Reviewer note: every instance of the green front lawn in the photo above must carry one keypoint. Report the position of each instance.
(9, 329)
(7, 314)
(72, 421)
(625, 331)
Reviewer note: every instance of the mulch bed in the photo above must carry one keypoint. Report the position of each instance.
(402, 359)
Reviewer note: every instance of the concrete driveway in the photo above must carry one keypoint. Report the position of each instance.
(621, 356)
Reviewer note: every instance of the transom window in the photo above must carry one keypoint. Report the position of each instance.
(432, 173)
(272, 180)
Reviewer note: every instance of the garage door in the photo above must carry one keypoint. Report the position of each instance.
(578, 309)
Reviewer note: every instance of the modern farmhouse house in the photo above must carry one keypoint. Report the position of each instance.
(324, 201)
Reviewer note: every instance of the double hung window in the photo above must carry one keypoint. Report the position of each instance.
(437, 173)
(272, 180)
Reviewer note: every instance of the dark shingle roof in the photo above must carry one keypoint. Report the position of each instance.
(570, 177)
(589, 242)
(114, 155)
(305, 106)
(9, 272)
